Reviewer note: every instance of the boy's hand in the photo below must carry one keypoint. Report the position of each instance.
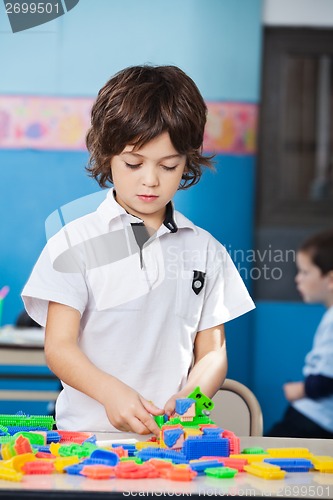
(294, 390)
(170, 405)
(128, 411)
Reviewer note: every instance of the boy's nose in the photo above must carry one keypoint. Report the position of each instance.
(150, 177)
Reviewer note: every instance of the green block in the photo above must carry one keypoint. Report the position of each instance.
(5, 439)
(159, 419)
(136, 460)
(45, 421)
(33, 438)
(255, 450)
(220, 472)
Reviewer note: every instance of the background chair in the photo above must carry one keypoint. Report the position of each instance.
(237, 409)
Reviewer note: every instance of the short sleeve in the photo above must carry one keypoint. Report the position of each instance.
(226, 296)
(46, 284)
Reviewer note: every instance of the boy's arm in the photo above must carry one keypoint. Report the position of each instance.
(313, 387)
(294, 390)
(126, 409)
(210, 365)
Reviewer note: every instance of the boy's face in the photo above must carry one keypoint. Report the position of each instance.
(311, 283)
(146, 179)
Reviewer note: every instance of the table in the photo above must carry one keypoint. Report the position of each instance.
(295, 485)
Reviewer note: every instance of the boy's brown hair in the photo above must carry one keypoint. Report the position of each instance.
(138, 104)
(320, 249)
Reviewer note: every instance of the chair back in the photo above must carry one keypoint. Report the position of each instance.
(237, 409)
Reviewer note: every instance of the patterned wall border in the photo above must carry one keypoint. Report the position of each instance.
(60, 123)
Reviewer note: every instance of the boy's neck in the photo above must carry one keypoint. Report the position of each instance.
(152, 224)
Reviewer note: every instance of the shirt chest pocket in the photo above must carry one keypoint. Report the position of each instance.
(191, 286)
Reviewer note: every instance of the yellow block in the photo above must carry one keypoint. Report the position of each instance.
(191, 432)
(6, 452)
(54, 449)
(146, 444)
(289, 452)
(251, 457)
(323, 463)
(10, 474)
(265, 470)
(20, 460)
(61, 462)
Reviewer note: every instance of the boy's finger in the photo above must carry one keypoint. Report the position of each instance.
(169, 407)
(138, 427)
(149, 422)
(151, 408)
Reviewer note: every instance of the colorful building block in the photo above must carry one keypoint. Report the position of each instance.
(291, 464)
(199, 466)
(38, 467)
(196, 447)
(179, 473)
(250, 458)
(203, 404)
(185, 409)
(9, 474)
(289, 452)
(221, 472)
(264, 470)
(172, 437)
(98, 471)
(323, 463)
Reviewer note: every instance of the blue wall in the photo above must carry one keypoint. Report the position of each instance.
(217, 42)
(283, 335)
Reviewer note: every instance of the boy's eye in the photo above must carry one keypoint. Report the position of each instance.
(169, 168)
(132, 165)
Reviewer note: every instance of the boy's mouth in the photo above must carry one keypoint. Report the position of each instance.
(147, 197)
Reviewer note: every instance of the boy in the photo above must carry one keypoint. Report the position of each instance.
(310, 413)
(134, 295)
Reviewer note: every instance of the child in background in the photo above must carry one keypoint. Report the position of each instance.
(134, 295)
(310, 413)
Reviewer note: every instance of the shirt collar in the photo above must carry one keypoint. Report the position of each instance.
(110, 210)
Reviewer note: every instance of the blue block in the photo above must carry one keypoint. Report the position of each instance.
(24, 428)
(91, 439)
(201, 446)
(176, 456)
(291, 464)
(52, 437)
(170, 437)
(212, 431)
(107, 457)
(200, 466)
(42, 449)
(74, 469)
(182, 405)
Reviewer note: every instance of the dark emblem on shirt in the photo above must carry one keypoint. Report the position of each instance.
(198, 281)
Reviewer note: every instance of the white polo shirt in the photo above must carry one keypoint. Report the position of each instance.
(141, 301)
(319, 361)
